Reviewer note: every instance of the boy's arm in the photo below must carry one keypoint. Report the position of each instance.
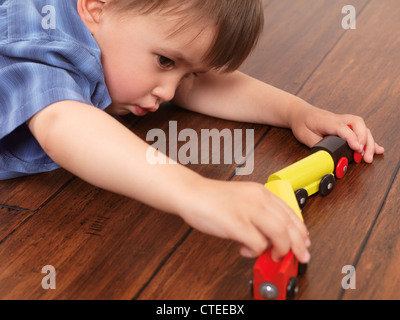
(94, 146)
(97, 148)
(238, 97)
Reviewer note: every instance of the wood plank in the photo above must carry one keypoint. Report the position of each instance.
(21, 198)
(203, 268)
(30, 193)
(297, 36)
(356, 77)
(102, 246)
(377, 271)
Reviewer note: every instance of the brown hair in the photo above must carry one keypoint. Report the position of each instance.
(239, 24)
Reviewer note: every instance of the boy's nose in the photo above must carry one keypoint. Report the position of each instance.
(164, 93)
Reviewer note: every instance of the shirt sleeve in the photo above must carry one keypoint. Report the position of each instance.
(38, 67)
(36, 74)
(33, 76)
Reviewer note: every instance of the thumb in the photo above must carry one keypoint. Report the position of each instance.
(247, 253)
(310, 138)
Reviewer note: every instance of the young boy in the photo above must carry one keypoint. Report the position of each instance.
(62, 63)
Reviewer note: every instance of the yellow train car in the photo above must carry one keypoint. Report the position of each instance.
(329, 159)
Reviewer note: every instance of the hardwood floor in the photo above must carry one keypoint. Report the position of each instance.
(104, 246)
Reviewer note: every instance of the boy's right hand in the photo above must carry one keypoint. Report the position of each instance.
(248, 213)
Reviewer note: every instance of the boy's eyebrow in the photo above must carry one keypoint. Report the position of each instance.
(178, 56)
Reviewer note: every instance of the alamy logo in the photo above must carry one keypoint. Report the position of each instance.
(49, 281)
(349, 21)
(49, 20)
(349, 281)
(189, 152)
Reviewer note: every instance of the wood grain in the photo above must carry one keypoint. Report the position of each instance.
(104, 246)
(101, 245)
(30, 193)
(356, 77)
(377, 275)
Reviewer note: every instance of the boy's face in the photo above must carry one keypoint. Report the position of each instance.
(143, 63)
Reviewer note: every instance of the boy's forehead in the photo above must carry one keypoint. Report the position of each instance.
(236, 25)
(187, 42)
(175, 35)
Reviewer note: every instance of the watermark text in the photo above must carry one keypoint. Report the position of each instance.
(49, 281)
(189, 152)
(349, 20)
(349, 281)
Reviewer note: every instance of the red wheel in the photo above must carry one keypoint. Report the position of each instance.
(342, 167)
(358, 156)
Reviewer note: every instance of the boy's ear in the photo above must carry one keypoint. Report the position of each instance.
(90, 12)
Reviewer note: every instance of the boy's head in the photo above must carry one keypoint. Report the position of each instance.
(237, 23)
(149, 46)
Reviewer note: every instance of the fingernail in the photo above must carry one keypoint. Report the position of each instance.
(307, 256)
(247, 253)
(275, 258)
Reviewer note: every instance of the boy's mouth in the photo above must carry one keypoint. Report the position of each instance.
(139, 111)
(142, 111)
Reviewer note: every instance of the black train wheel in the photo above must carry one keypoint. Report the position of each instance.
(302, 270)
(292, 288)
(327, 184)
(301, 196)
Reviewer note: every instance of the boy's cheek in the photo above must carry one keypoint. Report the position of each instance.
(126, 89)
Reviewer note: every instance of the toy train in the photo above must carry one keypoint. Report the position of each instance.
(329, 159)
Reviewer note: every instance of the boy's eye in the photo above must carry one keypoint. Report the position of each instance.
(165, 62)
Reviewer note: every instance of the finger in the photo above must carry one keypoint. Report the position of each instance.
(298, 236)
(290, 233)
(248, 253)
(275, 229)
(294, 218)
(299, 245)
(297, 231)
(311, 139)
(298, 223)
(254, 241)
(369, 149)
(360, 129)
(351, 137)
(276, 226)
(379, 149)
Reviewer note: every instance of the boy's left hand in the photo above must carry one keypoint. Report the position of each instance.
(310, 125)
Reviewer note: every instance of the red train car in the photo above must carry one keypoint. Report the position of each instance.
(330, 158)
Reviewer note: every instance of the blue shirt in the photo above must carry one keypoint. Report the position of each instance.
(47, 55)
